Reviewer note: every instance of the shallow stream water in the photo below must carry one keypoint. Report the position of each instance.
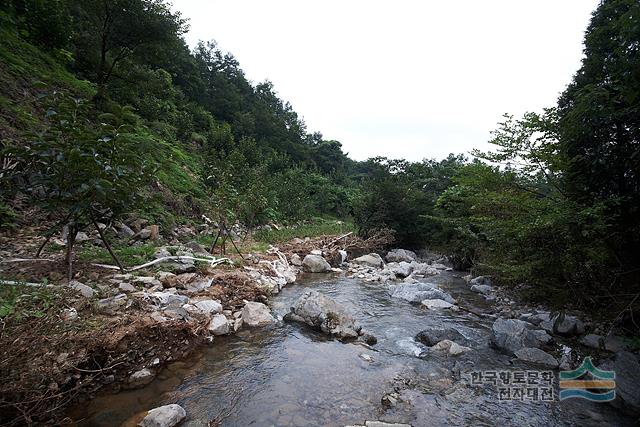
(288, 375)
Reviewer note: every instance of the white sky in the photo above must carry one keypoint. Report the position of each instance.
(406, 78)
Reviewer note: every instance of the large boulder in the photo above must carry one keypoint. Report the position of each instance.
(256, 314)
(418, 292)
(511, 335)
(371, 260)
(315, 264)
(324, 314)
(627, 368)
(164, 416)
(433, 336)
(537, 356)
(400, 255)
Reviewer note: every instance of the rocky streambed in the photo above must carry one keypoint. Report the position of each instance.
(401, 342)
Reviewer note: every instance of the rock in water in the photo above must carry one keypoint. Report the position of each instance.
(256, 314)
(141, 378)
(417, 292)
(315, 264)
(511, 335)
(324, 314)
(433, 336)
(164, 416)
(371, 260)
(219, 325)
(452, 348)
(400, 255)
(434, 304)
(535, 355)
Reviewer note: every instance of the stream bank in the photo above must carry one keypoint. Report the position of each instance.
(287, 374)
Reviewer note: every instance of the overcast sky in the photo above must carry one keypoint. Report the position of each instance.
(403, 79)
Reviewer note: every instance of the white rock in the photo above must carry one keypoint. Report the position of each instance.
(453, 348)
(84, 290)
(141, 378)
(219, 325)
(164, 416)
(315, 264)
(256, 314)
(371, 260)
(366, 357)
(434, 304)
(69, 314)
(209, 306)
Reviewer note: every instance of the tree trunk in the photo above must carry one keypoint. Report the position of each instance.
(71, 239)
(106, 243)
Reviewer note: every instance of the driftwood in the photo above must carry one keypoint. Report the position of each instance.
(211, 260)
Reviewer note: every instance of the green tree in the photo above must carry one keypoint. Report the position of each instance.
(82, 173)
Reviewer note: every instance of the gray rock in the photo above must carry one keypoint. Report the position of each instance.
(169, 299)
(480, 280)
(482, 289)
(111, 305)
(197, 248)
(164, 416)
(256, 314)
(417, 292)
(371, 260)
(69, 314)
(400, 255)
(435, 304)
(627, 369)
(592, 340)
(295, 260)
(124, 232)
(127, 287)
(433, 336)
(452, 348)
(83, 289)
(209, 306)
(219, 325)
(511, 335)
(143, 234)
(315, 264)
(568, 326)
(82, 237)
(141, 378)
(535, 355)
(324, 314)
(402, 270)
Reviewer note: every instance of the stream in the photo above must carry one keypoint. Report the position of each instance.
(289, 375)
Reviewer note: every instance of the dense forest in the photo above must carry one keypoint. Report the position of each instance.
(105, 110)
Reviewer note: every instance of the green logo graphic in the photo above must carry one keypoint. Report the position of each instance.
(599, 387)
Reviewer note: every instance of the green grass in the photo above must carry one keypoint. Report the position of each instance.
(318, 227)
(21, 302)
(128, 255)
